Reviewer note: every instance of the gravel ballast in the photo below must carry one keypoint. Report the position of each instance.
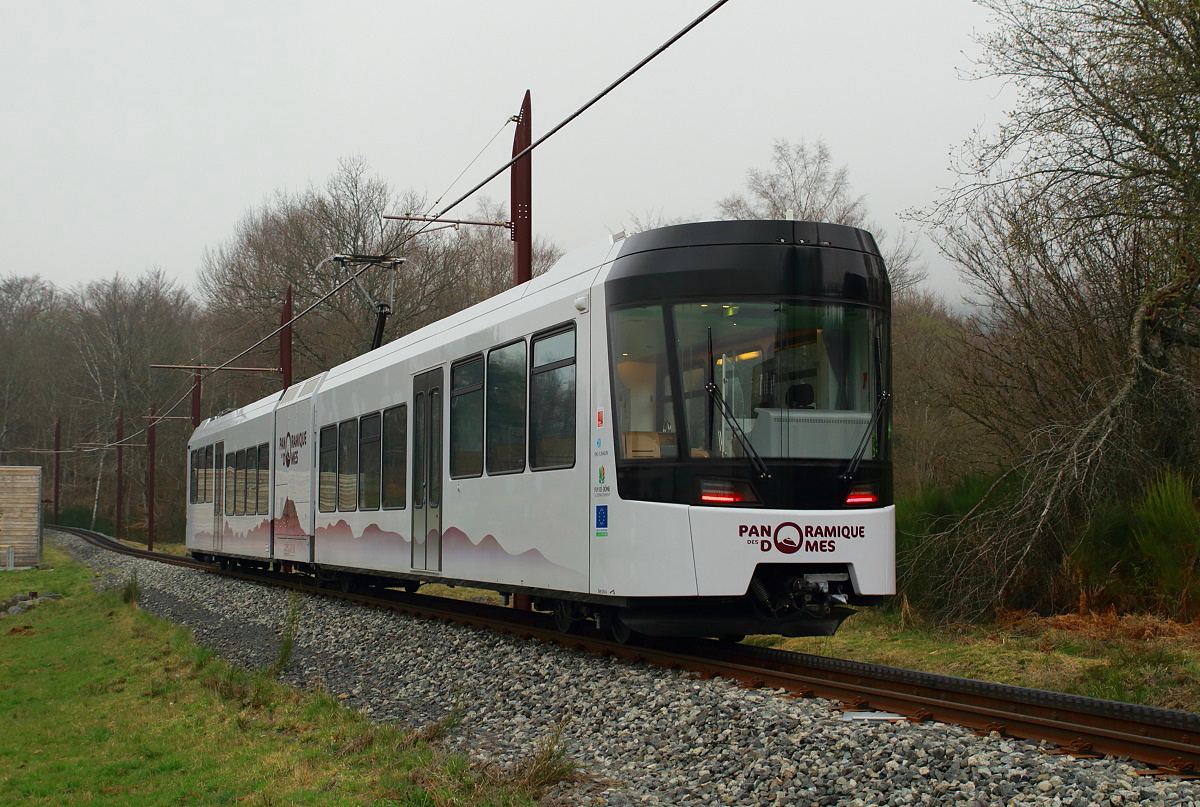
(640, 734)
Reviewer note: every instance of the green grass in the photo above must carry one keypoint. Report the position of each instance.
(462, 593)
(101, 703)
(57, 573)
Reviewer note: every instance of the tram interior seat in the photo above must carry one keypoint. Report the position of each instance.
(801, 396)
(648, 445)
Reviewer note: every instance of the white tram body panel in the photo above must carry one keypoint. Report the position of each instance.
(730, 544)
(630, 490)
(293, 451)
(235, 518)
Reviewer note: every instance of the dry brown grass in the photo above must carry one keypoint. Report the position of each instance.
(1132, 658)
(1103, 626)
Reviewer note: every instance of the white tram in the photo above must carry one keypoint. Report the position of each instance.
(684, 432)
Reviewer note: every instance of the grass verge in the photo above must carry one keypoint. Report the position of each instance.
(1130, 659)
(101, 703)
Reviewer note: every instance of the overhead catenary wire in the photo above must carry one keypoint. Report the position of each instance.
(626, 75)
(437, 216)
(474, 160)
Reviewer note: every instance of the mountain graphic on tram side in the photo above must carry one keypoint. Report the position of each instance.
(287, 523)
(490, 558)
(260, 530)
(341, 531)
(485, 560)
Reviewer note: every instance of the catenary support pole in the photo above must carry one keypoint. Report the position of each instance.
(522, 197)
(118, 528)
(150, 481)
(285, 339)
(195, 399)
(57, 463)
(522, 227)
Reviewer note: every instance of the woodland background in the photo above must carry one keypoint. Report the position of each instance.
(1046, 433)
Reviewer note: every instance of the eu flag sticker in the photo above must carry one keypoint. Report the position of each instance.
(601, 518)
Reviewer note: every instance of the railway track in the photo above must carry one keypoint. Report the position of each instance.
(1166, 739)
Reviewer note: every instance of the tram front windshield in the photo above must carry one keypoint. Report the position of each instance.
(799, 379)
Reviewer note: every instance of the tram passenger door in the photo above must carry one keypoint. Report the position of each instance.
(427, 472)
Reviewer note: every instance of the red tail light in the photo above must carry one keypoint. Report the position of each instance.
(720, 498)
(726, 491)
(860, 495)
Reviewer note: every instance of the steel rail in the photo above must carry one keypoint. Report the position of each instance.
(1167, 739)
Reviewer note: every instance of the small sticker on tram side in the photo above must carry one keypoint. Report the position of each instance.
(602, 521)
(603, 487)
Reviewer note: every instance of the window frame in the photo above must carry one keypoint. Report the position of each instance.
(193, 496)
(230, 481)
(208, 472)
(325, 447)
(351, 444)
(363, 443)
(249, 509)
(383, 450)
(264, 479)
(535, 370)
(460, 393)
(522, 453)
(239, 482)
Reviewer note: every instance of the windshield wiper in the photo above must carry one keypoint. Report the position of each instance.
(724, 408)
(880, 405)
(715, 395)
(852, 467)
(751, 454)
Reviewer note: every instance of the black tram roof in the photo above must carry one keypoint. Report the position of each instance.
(753, 258)
(715, 233)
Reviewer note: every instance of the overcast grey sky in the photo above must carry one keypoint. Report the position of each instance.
(136, 134)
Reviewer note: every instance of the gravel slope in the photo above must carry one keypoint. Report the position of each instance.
(642, 735)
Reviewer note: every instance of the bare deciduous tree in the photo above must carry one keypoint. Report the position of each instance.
(1078, 223)
(934, 443)
(29, 309)
(287, 241)
(117, 329)
(803, 183)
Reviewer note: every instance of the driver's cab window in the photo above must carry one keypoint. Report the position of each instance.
(642, 385)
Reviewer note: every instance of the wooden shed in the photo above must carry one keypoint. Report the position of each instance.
(20, 516)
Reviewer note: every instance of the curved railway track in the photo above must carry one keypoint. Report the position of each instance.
(1166, 739)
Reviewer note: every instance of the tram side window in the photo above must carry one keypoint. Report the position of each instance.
(552, 401)
(207, 473)
(368, 462)
(251, 481)
(466, 418)
(264, 478)
(506, 409)
(216, 487)
(327, 472)
(203, 475)
(229, 469)
(239, 484)
(194, 476)
(395, 457)
(347, 471)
